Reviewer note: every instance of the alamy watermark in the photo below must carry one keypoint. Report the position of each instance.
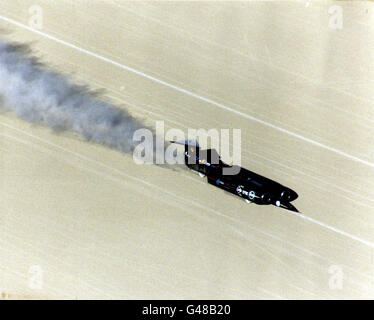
(336, 278)
(36, 17)
(336, 17)
(36, 277)
(151, 147)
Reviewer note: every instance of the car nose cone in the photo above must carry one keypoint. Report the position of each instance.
(288, 195)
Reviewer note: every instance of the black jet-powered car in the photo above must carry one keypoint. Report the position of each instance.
(246, 184)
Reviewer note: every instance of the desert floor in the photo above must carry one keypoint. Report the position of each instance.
(88, 222)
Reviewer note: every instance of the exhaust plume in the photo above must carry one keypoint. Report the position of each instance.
(33, 92)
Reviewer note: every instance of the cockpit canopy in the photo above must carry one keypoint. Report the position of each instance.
(210, 155)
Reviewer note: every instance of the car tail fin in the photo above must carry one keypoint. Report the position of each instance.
(189, 142)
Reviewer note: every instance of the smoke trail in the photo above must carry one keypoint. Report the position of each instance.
(39, 95)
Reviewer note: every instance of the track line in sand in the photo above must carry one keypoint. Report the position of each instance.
(189, 93)
(325, 225)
